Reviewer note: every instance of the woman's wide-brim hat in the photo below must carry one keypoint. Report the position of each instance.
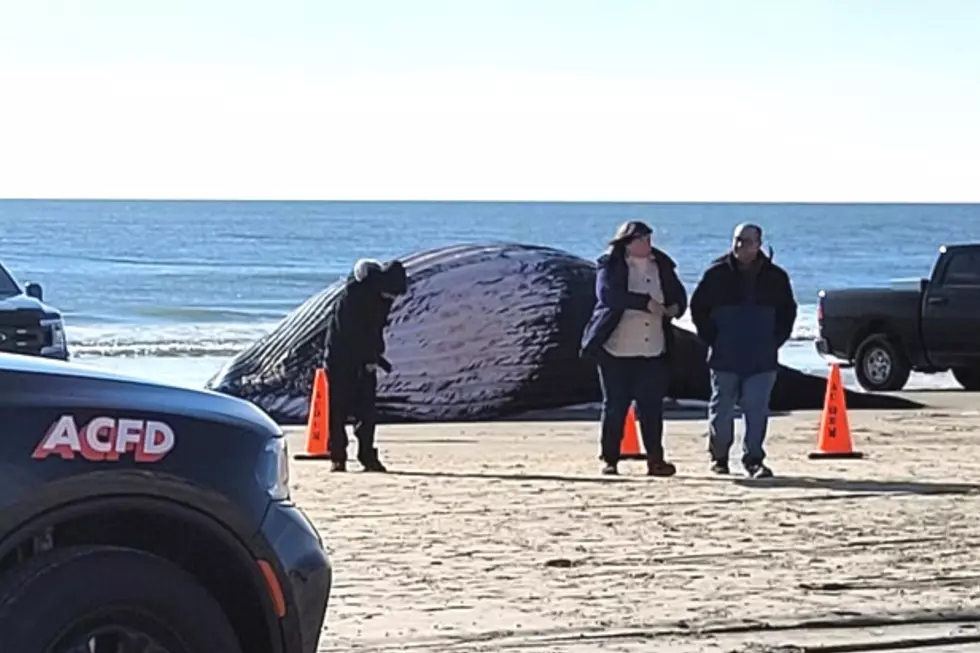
(630, 230)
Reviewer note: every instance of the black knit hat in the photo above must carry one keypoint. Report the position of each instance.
(393, 278)
(630, 230)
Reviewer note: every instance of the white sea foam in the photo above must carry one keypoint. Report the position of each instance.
(229, 338)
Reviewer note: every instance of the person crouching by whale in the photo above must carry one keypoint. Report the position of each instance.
(638, 294)
(355, 348)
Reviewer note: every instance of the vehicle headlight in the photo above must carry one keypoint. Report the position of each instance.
(273, 472)
(57, 328)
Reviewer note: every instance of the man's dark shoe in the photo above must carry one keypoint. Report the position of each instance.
(371, 462)
(719, 467)
(758, 470)
(660, 468)
(610, 469)
(338, 466)
(374, 466)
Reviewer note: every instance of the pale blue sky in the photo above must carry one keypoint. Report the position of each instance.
(743, 100)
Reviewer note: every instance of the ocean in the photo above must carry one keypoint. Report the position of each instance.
(170, 290)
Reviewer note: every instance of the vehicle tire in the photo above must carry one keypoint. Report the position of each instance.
(880, 366)
(968, 377)
(86, 598)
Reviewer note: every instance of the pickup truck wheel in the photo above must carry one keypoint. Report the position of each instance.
(968, 377)
(88, 598)
(880, 366)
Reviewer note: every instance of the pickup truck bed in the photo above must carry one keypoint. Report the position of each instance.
(886, 333)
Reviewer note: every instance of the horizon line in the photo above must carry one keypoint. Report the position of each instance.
(494, 201)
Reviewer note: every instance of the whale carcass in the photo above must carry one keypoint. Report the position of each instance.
(485, 331)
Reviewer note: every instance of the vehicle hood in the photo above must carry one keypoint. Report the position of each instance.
(37, 381)
(26, 303)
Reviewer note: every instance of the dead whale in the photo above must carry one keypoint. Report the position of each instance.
(485, 331)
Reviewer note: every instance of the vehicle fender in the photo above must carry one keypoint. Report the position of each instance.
(878, 324)
(226, 529)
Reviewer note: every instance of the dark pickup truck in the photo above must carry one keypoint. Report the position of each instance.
(27, 325)
(137, 516)
(886, 333)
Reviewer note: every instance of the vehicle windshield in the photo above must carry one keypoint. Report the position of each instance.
(8, 287)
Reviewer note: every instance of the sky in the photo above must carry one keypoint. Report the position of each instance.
(551, 100)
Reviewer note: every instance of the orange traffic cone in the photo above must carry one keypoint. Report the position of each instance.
(317, 433)
(834, 439)
(630, 447)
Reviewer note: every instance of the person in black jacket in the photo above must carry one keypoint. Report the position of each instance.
(638, 295)
(355, 348)
(743, 308)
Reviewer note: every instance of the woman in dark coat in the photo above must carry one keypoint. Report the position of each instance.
(638, 295)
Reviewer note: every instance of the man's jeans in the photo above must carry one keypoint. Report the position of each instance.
(752, 395)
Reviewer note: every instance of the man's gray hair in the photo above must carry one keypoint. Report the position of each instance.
(364, 267)
(750, 225)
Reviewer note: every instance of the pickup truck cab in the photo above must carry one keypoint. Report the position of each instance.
(886, 333)
(28, 325)
(136, 516)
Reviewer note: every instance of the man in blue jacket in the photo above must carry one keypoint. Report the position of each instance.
(743, 309)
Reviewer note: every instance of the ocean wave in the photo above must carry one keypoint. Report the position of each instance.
(165, 341)
(226, 339)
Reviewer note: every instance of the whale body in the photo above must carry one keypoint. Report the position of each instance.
(485, 331)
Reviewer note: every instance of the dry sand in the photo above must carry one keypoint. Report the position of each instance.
(504, 536)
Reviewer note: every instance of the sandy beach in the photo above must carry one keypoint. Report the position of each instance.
(503, 536)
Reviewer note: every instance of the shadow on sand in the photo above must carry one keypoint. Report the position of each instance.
(848, 486)
(854, 485)
(518, 477)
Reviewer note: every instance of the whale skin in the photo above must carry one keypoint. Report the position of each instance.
(485, 331)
